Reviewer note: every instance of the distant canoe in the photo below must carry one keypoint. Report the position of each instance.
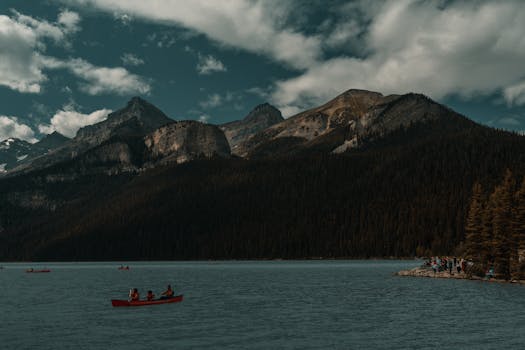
(117, 303)
(37, 271)
(123, 268)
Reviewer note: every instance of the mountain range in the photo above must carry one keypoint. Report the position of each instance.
(140, 135)
(361, 175)
(127, 140)
(14, 152)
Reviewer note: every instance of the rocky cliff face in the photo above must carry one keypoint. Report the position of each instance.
(260, 118)
(186, 140)
(348, 121)
(128, 125)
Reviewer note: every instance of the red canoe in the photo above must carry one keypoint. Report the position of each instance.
(37, 271)
(175, 299)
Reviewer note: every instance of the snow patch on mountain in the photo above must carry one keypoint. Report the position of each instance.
(6, 143)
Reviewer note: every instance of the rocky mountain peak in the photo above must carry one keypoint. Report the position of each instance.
(137, 103)
(258, 119)
(53, 140)
(145, 112)
(264, 111)
(361, 93)
(148, 116)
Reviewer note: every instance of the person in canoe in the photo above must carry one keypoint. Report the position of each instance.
(150, 296)
(134, 295)
(168, 293)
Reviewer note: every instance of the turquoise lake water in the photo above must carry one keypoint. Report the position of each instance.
(256, 305)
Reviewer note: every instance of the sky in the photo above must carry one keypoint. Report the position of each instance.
(65, 64)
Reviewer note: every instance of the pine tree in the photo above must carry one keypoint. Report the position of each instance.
(474, 225)
(517, 258)
(502, 216)
(487, 234)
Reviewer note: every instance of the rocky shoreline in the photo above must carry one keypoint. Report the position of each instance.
(429, 273)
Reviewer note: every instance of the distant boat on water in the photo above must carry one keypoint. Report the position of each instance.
(31, 270)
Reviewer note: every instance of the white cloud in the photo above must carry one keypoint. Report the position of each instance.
(209, 64)
(346, 27)
(40, 28)
(255, 26)
(261, 92)
(99, 80)
(67, 121)
(204, 118)
(515, 94)
(343, 33)
(234, 99)
(69, 20)
(164, 39)
(438, 48)
(19, 63)
(10, 127)
(22, 62)
(464, 48)
(213, 100)
(130, 59)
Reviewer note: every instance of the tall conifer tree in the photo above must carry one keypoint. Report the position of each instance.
(474, 225)
(502, 217)
(487, 234)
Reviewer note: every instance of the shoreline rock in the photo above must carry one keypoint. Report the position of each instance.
(429, 273)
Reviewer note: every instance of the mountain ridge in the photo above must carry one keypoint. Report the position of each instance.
(384, 176)
(349, 121)
(356, 116)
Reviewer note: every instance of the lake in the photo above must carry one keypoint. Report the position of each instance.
(255, 305)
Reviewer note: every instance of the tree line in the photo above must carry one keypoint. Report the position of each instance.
(495, 228)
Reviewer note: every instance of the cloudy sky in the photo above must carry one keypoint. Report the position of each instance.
(68, 63)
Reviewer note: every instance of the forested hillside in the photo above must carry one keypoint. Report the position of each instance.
(405, 194)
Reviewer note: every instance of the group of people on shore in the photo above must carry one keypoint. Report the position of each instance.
(454, 265)
(446, 263)
(135, 296)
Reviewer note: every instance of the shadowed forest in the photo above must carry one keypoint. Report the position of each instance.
(394, 198)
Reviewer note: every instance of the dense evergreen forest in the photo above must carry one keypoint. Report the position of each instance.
(403, 196)
(495, 228)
